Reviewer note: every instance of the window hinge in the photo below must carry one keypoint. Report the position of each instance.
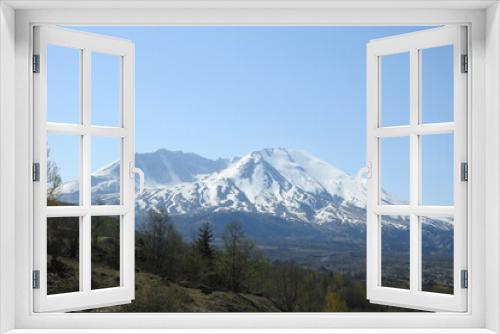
(36, 63)
(464, 279)
(36, 172)
(36, 279)
(465, 64)
(464, 171)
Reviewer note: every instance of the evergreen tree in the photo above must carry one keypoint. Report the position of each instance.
(203, 242)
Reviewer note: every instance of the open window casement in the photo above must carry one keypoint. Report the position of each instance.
(412, 128)
(83, 112)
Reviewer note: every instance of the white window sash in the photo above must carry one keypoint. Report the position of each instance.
(86, 297)
(415, 297)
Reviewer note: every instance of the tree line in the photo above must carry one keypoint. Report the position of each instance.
(239, 267)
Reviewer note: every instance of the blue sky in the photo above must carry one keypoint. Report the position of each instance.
(226, 91)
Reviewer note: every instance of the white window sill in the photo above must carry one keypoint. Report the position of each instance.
(254, 331)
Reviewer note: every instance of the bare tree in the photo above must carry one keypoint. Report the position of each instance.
(162, 246)
(154, 233)
(54, 179)
(287, 284)
(237, 261)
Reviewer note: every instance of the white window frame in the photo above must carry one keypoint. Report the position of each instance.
(413, 44)
(86, 44)
(16, 20)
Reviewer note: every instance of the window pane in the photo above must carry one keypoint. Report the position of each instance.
(106, 89)
(437, 254)
(395, 89)
(437, 169)
(395, 250)
(437, 84)
(63, 84)
(63, 169)
(63, 255)
(105, 252)
(395, 170)
(106, 166)
(395, 238)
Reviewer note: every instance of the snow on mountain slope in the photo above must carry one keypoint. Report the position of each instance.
(289, 184)
(313, 174)
(164, 167)
(161, 168)
(286, 183)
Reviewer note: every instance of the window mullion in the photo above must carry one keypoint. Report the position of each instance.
(85, 232)
(415, 268)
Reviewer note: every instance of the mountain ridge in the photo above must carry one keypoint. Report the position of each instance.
(273, 180)
(290, 184)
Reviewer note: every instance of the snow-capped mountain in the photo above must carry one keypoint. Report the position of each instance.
(289, 184)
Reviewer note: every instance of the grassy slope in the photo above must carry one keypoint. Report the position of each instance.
(156, 295)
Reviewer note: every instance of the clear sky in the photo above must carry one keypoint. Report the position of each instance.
(226, 91)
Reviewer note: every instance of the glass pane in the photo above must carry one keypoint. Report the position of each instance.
(395, 170)
(437, 84)
(106, 89)
(437, 254)
(105, 252)
(106, 162)
(395, 89)
(63, 84)
(63, 169)
(395, 238)
(63, 246)
(437, 169)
